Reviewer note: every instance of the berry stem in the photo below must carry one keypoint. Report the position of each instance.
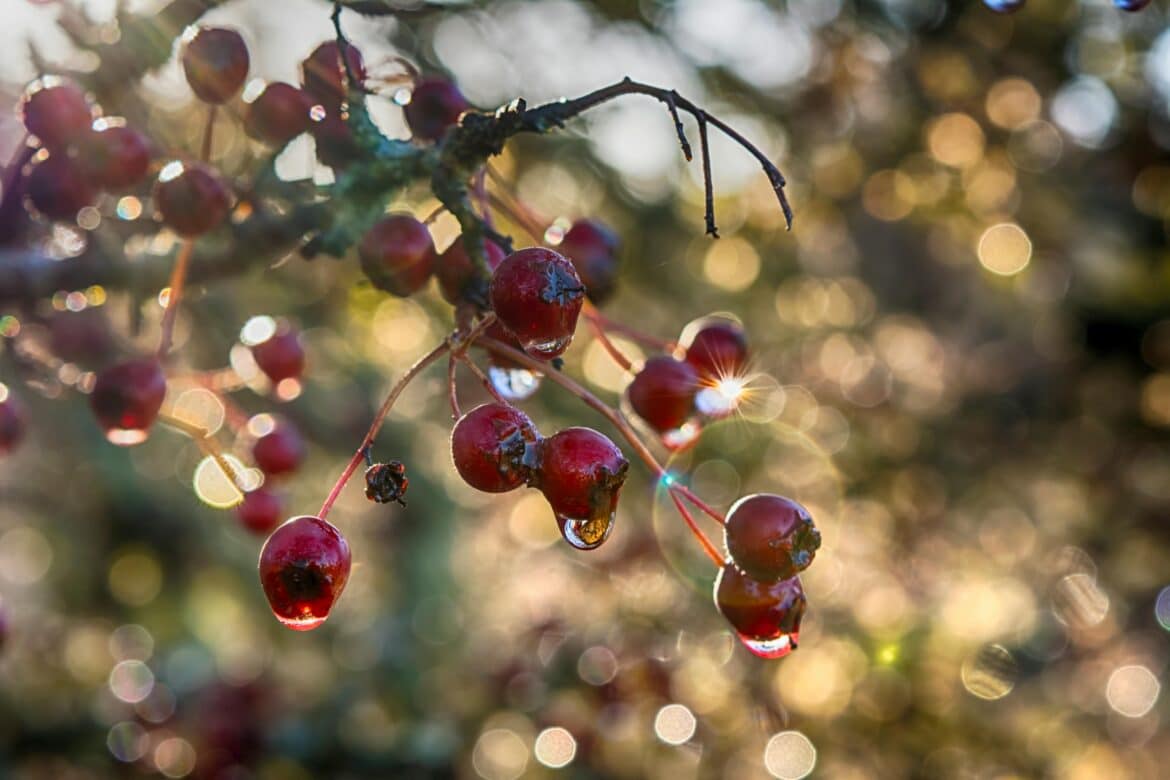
(708, 547)
(599, 333)
(452, 392)
(633, 334)
(207, 445)
(483, 378)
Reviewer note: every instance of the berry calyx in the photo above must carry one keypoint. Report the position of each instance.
(114, 156)
(398, 255)
(765, 616)
(435, 105)
(581, 474)
(386, 482)
(663, 392)
(323, 74)
(716, 347)
(260, 511)
(456, 272)
(494, 447)
(12, 421)
(281, 355)
(57, 189)
(537, 295)
(280, 451)
(770, 537)
(126, 398)
(278, 114)
(592, 247)
(215, 62)
(191, 198)
(304, 566)
(56, 111)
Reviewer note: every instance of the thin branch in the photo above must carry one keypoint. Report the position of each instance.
(484, 379)
(207, 445)
(595, 324)
(452, 391)
(174, 295)
(708, 187)
(672, 105)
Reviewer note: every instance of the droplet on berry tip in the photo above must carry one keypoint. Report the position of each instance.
(586, 533)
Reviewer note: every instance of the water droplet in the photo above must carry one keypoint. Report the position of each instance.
(126, 437)
(683, 436)
(587, 533)
(776, 647)
(549, 348)
(514, 384)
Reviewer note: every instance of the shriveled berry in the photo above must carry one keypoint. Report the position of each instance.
(770, 537)
(435, 105)
(386, 482)
(336, 146)
(537, 295)
(113, 156)
(260, 511)
(304, 566)
(593, 249)
(456, 272)
(126, 398)
(281, 355)
(215, 62)
(191, 198)
(398, 255)
(716, 347)
(581, 474)
(280, 451)
(323, 75)
(494, 447)
(765, 616)
(278, 114)
(56, 111)
(12, 421)
(57, 189)
(663, 392)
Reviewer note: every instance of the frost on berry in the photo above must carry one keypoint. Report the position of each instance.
(770, 537)
(765, 616)
(304, 566)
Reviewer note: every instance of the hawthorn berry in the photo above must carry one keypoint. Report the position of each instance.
(126, 398)
(494, 447)
(336, 146)
(281, 355)
(593, 248)
(278, 114)
(716, 347)
(260, 511)
(280, 451)
(57, 189)
(114, 156)
(323, 75)
(191, 198)
(1004, 6)
(770, 537)
(304, 566)
(435, 105)
(581, 474)
(215, 62)
(12, 424)
(537, 295)
(56, 111)
(765, 616)
(456, 272)
(663, 392)
(398, 255)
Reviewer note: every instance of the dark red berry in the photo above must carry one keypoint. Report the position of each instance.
(260, 511)
(494, 447)
(435, 104)
(593, 248)
(56, 111)
(336, 146)
(12, 424)
(770, 537)
(663, 392)
(765, 616)
(537, 295)
(303, 569)
(280, 451)
(126, 398)
(398, 255)
(83, 337)
(323, 75)
(717, 349)
(114, 157)
(581, 474)
(215, 62)
(281, 356)
(191, 198)
(57, 189)
(278, 114)
(456, 272)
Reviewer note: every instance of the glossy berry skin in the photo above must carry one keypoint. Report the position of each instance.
(126, 398)
(323, 76)
(281, 356)
(765, 616)
(58, 189)
(191, 198)
(717, 350)
(592, 247)
(304, 566)
(12, 424)
(114, 157)
(435, 105)
(494, 447)
(278, 114)
(582, 473)
(336, 146)
(260, 511)
(456, 272)
(1131, 5)
(537, 295)
(770, 537)
(56, 111)
(1004, 6)
(280, 451)
(398, 255)
(215, 62)
(663, 392)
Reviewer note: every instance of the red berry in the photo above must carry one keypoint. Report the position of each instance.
(56, 111)
(537, 295)
(663, 392)
(126, 398)
(336, 146)
(114, 157)
(494, 448)
(57, 189)
(456, 272)
(260, 511)
(191, 198)
(770, 537)
(12, 422)
(765, 616)
(278, 114)
(281, 356)
(303, 569)
(279, 451)
(716, 347)
(215, 62)
(323, 75)
(435, 105)
(581, 474)
(398, 255)
(593, 249)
